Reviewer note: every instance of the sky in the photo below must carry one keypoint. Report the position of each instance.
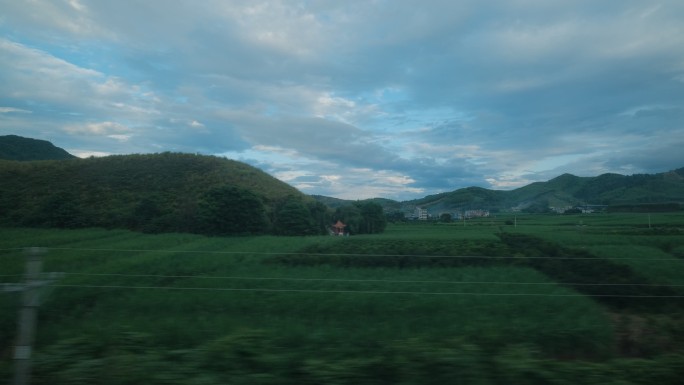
(355, 98)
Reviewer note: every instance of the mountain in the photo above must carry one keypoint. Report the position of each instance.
(334, 203)
(13, 147)
(564, 191)
(151, 192)
(605, 189)
(331, 202)
(465, 198)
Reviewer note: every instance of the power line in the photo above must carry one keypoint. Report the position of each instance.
(366, 280)
(362, 291)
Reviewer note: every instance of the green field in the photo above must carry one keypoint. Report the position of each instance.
(590, 299)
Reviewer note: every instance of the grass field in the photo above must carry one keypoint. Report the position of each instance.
(399, 307)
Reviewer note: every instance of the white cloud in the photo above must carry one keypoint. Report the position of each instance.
(507, 182)
(8, 110)
(368, 98)
(76, 4)
(110, 129)
(57, 17)
(120, 137)
(56, 84)
(87, 153)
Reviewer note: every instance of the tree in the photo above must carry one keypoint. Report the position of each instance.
(350, 216)
(320, 214)
(292, 217)
(373, 218)
(60, 209)
(362, 218)
(396, 216)
(228, 210)
(446, 218)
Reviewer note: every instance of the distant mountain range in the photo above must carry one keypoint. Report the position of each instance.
(561, 192)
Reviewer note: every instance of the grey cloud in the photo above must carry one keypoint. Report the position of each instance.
(316, 137)
(485, 89)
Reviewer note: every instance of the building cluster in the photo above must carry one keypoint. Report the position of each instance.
(475, 214)
(560, 209)
(584, 209)
(421, 214)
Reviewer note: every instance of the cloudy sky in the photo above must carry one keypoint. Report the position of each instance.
(355, 99)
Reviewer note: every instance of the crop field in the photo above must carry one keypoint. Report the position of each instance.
(590, 299)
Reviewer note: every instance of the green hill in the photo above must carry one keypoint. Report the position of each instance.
(606, 189)
(331, 202)
(152, 192)
(13, 147)
(463, 199)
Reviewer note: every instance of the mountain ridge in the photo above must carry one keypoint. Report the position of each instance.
(19, 148)
(565, 190)
(562, 192)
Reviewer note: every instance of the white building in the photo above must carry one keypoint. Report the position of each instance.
(420, 214)
(476, 213)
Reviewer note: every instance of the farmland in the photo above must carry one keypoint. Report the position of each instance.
(548, 299)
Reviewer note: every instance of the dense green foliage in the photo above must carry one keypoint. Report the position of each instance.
(295, 216)
(229, 210)
(166, 192)
(364, 217)
(13, 147)
(402, 307)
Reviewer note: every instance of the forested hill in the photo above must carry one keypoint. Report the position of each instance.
(13, 147)
(565, 191)
(152, 192)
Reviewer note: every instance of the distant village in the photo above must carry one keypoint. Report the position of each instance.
(583, 209)
(422, 214)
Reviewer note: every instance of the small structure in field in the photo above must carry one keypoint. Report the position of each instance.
(338, 228)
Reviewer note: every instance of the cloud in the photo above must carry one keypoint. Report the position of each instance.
(360, 98)
(87, 154)
(8, 110)
(102, 128)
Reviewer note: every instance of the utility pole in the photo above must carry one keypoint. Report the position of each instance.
(27, 315)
